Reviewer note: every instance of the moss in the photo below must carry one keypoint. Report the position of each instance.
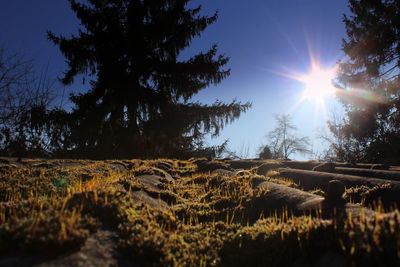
(43, 226)
(212, 220)
(356, 194)
(376, 197)
(318, 192)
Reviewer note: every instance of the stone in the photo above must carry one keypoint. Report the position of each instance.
(152, 182)
(242, 173)
(264, 168)
(325, 167)
(209, 166)
(244, 163)
(223, 172)
(335, 190)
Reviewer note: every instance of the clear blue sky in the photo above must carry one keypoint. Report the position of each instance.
(262, 37)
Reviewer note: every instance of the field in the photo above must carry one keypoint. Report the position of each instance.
(198, 213)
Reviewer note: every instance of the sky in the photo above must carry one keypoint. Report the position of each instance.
(263, 38)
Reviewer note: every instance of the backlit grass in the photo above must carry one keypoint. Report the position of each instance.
(212, 219)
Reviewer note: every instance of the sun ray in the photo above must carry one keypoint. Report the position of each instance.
(355, 95)
(319, 87)
(318, 84)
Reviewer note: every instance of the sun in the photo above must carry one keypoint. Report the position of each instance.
(318, 84)
(318, 88)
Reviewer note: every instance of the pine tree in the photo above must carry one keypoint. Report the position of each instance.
(373, 50)
(139, 101)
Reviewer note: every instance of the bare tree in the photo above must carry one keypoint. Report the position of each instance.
(24, 100)
(14, 78)
(283, 142)
(243, 152)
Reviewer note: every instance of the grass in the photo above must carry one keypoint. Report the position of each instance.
(213, 219)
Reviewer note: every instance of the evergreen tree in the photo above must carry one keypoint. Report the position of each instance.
(373, 50)
(139, 101)
(265, 153)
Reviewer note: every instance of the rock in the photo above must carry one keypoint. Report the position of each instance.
(242, 173)
(335, 190)
(118, 166)
(256, 181)
(264, 168)
(209, 166)
(373, 173)
(164, 165)
(152, 182)
(144, 197)
(279, 197)
(301, 165)
(155, 171)
(4, 161)
(100, 249)
(310, 180)
(244, 164)
(223, 172)
(44, 165)
(311, 204)
(379, 167)
(284, 159)
(164, 174)
(325, 167)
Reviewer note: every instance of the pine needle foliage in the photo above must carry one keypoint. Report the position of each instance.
(371, 128)
(139, 103)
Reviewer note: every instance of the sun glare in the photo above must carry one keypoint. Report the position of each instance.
(318, 88)
(318, 84)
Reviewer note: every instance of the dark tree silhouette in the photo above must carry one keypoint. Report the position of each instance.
(265, 153)
(24, 101)
(342, 146)
(139, 101)
(373, 50)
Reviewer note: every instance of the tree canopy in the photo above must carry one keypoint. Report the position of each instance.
(139, 103)
(372, 69)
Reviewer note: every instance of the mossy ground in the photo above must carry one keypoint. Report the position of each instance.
(212, 219)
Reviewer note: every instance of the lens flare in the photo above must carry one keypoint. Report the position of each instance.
(318, 84)
(317, 90)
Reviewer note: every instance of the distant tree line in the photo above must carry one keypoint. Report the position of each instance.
(139, 101)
